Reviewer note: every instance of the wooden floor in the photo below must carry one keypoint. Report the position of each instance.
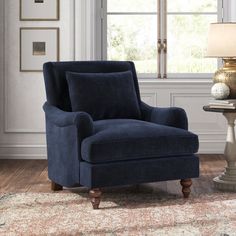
(31, 176)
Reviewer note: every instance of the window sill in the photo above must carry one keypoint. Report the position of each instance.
(175, 81)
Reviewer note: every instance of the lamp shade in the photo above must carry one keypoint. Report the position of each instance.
(222, 40)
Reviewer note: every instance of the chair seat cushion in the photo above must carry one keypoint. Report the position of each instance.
(127, 139)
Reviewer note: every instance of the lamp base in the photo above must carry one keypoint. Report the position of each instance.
(227, 75)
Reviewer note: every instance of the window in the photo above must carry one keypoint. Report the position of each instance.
(163, 37)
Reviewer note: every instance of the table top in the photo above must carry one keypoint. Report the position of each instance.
(222, 110)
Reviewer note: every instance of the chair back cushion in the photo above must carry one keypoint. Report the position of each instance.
(104, 95)
(57, 91)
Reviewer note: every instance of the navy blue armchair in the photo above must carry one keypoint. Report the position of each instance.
(95, 141)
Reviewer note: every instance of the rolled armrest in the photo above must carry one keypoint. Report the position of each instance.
(171, 116)
(60, 118)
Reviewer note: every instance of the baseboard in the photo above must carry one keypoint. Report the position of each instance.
(210, 147)
(23, 151)
(23, 157)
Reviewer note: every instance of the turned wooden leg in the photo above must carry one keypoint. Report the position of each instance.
(186, 184)
(55, 186)
(95, 196)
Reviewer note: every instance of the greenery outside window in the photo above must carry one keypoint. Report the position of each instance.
(165, 38)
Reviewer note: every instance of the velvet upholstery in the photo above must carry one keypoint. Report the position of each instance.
(139, 171)
(104, 95)
(65, 131)
(55, 77)
(170, 116)
(134, 139)
(156, 147)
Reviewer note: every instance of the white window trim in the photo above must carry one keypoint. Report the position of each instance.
(91, 36)
(85, 30)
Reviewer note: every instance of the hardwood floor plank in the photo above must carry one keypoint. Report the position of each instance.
(41, 183)
(8, 170)
(19, 174)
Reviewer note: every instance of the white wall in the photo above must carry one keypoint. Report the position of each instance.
(22, 94)
(22, 133)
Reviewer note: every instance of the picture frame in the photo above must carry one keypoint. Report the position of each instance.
(39, 10)
(37, 46)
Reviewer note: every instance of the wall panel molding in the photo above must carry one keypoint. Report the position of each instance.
(5, 104)
(149, 98)
(202, 126)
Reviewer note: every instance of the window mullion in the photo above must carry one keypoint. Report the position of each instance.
(104, 29)
(162, 39)
(165, 38)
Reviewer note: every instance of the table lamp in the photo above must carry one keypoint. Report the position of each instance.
(222, 44)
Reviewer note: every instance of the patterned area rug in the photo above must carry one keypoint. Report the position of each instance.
(120, 214)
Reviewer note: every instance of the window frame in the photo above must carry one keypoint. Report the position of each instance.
(100, 42)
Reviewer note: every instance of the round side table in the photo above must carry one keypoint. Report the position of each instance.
(227, 180)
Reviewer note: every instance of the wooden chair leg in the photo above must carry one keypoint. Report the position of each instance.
(55, 186)
(186, 184)
(95, 196)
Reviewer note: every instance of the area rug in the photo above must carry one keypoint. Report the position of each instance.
(120, 214)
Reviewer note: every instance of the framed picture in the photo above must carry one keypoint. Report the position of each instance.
(39, 10)
(37, 46)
